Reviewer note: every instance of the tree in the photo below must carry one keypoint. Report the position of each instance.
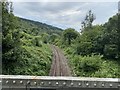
(118, 30)
(10, 38)
(111, 51)
(53, 37)
(89, 18)
(111, 38)
(70, 34)
(45, 38)
(90, 41)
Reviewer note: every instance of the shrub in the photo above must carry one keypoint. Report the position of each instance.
(84, 48)
(38, 42)
(111, 51)
(87, 65)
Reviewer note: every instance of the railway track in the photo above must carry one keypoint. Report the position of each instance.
(59, 65)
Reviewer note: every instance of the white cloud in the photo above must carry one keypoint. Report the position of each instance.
(64, 14)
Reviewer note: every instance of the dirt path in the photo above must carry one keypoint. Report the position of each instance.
(59, 65)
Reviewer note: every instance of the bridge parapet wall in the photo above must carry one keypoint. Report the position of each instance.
(19, 81)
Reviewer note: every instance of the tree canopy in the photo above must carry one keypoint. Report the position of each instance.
(89, 18)
(70, 34)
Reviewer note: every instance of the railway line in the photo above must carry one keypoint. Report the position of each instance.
(59, 65)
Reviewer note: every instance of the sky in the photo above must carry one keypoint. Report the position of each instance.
(65, 14)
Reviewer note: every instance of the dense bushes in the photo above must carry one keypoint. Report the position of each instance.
(24, 51)
(84, 48)
(87, 65)
(95, 52)
(111, 51)
(32, 57)
(93, 66)
(69, 35)
(35, 60)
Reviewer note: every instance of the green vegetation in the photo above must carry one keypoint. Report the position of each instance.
(36, 28)
(70, 34)
(87, 23)
(91, 65)
(93, 52)
(25, 44)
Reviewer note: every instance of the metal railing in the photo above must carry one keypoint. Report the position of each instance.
(14, 82)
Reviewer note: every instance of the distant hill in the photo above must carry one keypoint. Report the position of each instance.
(38, 27)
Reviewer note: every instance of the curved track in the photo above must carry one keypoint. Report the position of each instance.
(59, 65)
